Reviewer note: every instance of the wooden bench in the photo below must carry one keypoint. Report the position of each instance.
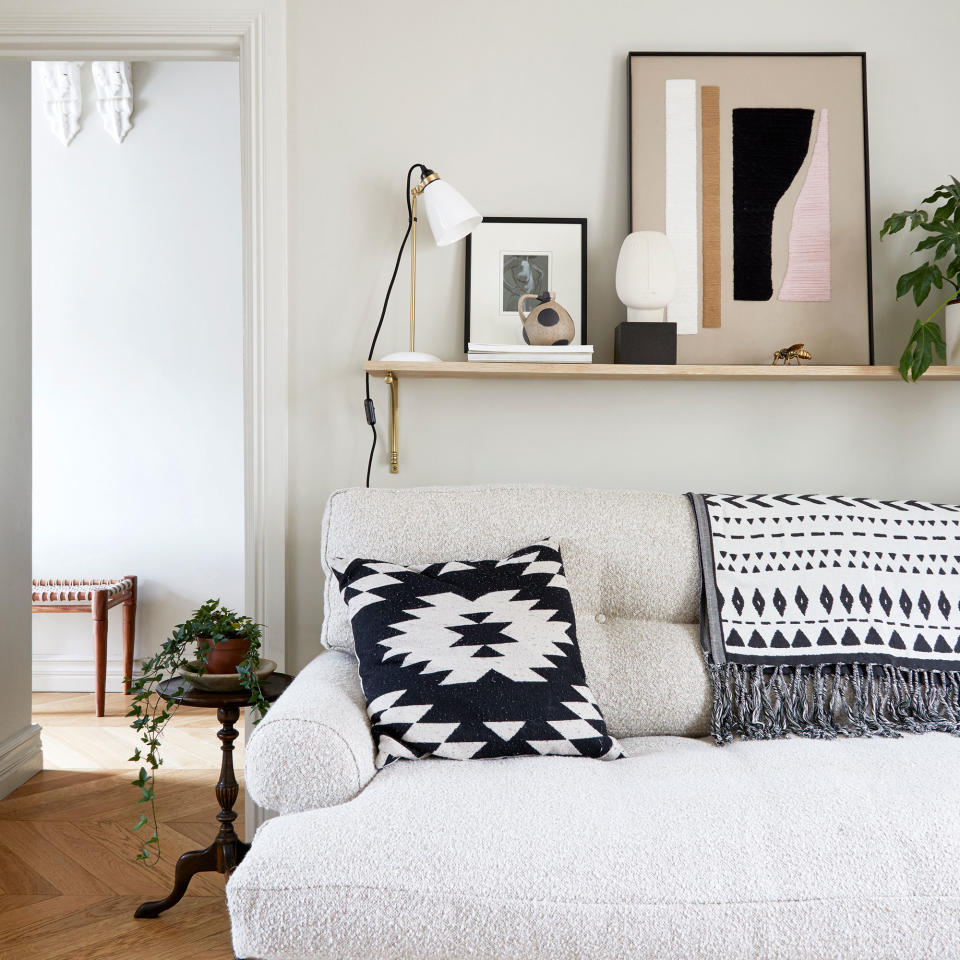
(95, 597)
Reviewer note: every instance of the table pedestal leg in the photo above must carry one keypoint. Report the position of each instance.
(227, 850)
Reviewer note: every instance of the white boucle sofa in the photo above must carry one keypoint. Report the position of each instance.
(787, 850)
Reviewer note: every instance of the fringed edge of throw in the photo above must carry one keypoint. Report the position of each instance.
(824, 702)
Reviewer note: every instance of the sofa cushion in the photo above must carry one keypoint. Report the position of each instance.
(788, 850)
(631, 566)
(472, 659)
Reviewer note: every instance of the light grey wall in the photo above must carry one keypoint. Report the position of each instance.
(522, 104)
(138, 328)
(14, 401)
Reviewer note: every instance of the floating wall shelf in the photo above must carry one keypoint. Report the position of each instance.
(626, 371)
(394, 372)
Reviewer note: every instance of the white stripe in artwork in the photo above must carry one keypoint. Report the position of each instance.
(681, 200)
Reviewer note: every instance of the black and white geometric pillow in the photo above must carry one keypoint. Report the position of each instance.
(472, 660)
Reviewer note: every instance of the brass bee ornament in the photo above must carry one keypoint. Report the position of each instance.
(794, 352)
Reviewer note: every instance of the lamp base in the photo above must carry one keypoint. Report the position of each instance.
(412, 356)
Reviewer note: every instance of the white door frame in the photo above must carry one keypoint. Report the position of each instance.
(256, 38)
(258, 42)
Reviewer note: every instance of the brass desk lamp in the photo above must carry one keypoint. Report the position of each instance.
(451, 218)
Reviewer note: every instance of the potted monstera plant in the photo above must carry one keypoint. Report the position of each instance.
(940, 271)
(214, 640)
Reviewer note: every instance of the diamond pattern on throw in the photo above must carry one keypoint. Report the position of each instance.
(472, 659)
(864, 580)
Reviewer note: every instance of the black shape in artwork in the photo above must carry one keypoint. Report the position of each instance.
(769, 147)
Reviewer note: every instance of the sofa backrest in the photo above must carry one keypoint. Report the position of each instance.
(630, 560)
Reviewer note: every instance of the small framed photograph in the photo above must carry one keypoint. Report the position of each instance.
(510, 257)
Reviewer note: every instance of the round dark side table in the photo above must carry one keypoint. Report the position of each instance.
(227, 850)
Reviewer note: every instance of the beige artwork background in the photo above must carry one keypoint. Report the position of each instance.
(835, 332)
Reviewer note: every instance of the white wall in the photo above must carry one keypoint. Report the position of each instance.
(137, 359)
(19, 740)
(523, 107)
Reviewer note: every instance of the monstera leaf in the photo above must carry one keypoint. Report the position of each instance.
(925, 339)
(941, 243)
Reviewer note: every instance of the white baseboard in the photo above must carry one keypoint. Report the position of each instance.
(21, 756)
(52, 674)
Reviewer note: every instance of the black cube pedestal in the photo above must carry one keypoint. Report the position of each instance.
(643, 342)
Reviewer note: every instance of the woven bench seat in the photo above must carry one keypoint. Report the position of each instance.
(94, 596)
(79, 592)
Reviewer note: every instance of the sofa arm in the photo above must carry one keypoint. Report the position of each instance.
(314, 747)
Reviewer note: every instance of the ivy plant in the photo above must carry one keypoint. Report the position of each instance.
(940, 270)
(189, 644)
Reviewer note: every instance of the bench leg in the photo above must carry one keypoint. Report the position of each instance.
(129, 632)
(100, 647)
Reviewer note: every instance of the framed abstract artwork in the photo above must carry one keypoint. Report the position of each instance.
(508, 257)
(755, 165)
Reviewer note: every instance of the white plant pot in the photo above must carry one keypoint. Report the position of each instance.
(951, 316)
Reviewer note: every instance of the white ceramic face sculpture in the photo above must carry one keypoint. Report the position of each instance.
(646, 275)
(114, 84)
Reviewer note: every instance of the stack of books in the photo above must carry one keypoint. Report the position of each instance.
(517, 353)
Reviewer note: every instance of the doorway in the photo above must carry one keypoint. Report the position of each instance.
(137, 357)
(256, 42)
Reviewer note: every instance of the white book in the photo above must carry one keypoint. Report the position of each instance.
(530, 358)
(521, 349)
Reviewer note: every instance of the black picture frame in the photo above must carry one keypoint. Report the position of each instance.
(582, 221)
(780, 53)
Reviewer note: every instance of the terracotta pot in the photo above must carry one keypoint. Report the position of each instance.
(225, 656)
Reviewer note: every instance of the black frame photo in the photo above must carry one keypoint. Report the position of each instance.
(512, 259)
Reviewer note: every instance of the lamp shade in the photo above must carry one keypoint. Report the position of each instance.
(450, 215)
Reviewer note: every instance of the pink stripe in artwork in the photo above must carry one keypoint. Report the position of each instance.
(808, 261)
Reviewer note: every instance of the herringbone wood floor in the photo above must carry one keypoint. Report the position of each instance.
(68, 879)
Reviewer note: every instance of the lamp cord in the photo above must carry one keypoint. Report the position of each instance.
(368, 407)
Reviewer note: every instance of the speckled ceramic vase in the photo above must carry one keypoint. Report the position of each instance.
(547, 324)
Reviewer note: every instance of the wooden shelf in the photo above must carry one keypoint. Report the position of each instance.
(394, 372)
(622, 371)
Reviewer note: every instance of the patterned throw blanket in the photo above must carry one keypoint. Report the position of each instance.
(824, 616)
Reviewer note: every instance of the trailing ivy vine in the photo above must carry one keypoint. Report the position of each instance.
(189, 645)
